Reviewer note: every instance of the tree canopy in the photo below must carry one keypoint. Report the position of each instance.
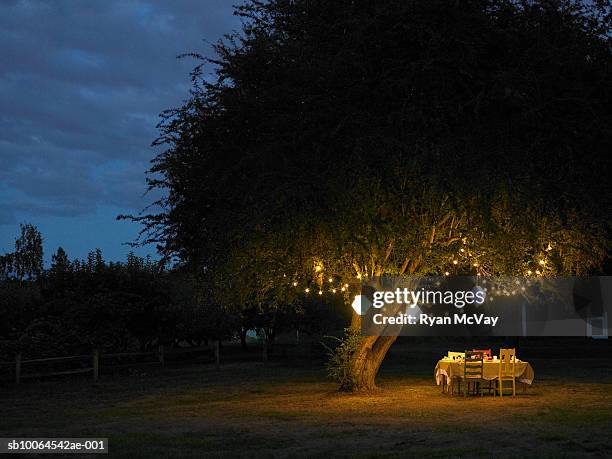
(362, 123)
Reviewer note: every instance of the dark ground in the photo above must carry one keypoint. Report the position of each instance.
(289, 409)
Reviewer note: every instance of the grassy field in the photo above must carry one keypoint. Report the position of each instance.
(291, 410)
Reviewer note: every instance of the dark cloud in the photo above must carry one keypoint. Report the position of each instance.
(81, 85)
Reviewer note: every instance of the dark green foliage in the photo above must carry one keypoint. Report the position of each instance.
(343, 130)
(341, 356)
(77, 305)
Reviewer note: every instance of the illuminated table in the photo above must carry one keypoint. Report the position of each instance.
(447, 370)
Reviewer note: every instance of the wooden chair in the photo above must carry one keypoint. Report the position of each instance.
(489, 354)
(507, 360)
(472, 371)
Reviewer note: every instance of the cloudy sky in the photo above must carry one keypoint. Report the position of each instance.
(81, 87)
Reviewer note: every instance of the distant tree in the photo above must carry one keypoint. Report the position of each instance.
(28, 255)
(59, 272)
(6, 266)
(59, 261)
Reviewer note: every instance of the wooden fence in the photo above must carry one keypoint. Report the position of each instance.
(91, 363)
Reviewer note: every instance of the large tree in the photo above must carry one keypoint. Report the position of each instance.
(340, 140)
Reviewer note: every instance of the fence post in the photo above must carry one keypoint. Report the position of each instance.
(95, 364)
(17, 368)
(162, 360)
(217, 356)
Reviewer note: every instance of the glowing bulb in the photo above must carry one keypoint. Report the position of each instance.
(529, 272)
(295, 284)
(446, 273)
(318, 268)
(358, 276)
(542, 262)
(330, 280)
(476, 265)
(307, 290)
(461, 250)
(549, 247)
(343, 289)
(320, 292)
(334, 290)
(346, 285)
(537, 271)
(455, 262)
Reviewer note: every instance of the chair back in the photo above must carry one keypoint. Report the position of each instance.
(507, 358)
(472, 366)
(485, 352)
(456, 355)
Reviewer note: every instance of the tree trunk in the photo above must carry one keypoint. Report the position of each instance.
(372, 350)
(366, 360)
(243, 342)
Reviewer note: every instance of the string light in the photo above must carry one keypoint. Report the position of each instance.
(543, 262)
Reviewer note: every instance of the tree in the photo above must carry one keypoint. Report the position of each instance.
(59, 261)
(28, 255)
(6, 266)
(341, 140)
(60, 272)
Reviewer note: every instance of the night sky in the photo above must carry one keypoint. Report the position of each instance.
(81, 87)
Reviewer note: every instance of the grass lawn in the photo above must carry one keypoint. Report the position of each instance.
(282, 410)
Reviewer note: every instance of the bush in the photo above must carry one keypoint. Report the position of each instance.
(340, 357)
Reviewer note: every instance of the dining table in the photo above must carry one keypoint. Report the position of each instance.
(449, 370)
